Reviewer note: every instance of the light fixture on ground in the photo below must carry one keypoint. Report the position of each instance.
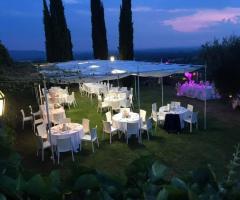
(2, 105)
(112, 58)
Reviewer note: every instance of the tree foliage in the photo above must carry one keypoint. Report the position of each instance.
(99, 35)
(5, 59)
(126, 46)
(223, 64)
(58, 38)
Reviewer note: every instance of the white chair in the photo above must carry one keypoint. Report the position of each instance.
(133, 129)
(36, 122)
(86, 125)
(115, 105)
(71, 100)
(25, 118)
(35, 114)
(65, 120)
(42, 145)
(192, 118)
(190, 107)
(102, 106)
(91, 138)
(131, 101)
(155, 118)
(175, 104)
(122, 110)
(146, 127)
(81, 89)
(42, 131)
(109, 117)
(154, 107)
(143, 114)
(107, 128)
(64, 145)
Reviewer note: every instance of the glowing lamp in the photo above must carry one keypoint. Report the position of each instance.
(2, 103)
(118, 71)
(230, 96)
(94, 66)
(112, 58)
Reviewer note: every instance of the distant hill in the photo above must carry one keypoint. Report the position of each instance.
(178, 55)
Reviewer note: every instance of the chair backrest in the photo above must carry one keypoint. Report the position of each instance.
(64, 144)
(85, 123)
(109, 116)
(42, 130)
(190, 107)
(133, 128)
(30, 108)
(143, 114)
(106, 127)
(175, 103)
(149, 123)
(131, 98)
(23, 114)
(115, 105)
(122, 110)
(154, 107)
(93, 133)
(154, 116)
(65, 120)
(99, 98)
(194, 117)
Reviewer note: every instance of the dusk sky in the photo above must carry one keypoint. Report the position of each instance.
(157, 23)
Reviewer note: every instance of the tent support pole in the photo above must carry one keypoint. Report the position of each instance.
(135, 82)
(162, 89)
(139, 105)
(108, 85)
(205, 100)
(48, 119)
(118, 81)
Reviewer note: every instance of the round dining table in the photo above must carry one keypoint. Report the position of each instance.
(120, 122)
(73, 130)
(181, 111)
(115, 101)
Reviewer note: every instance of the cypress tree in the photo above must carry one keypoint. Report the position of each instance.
(58, 37)
(99, 35)
(49, 34)
(126, 51)
(62, 42)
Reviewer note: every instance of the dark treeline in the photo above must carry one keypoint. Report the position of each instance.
(57, 34)
(99, 35)
(126, 51)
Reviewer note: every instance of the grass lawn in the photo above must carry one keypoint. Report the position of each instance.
(182, 153)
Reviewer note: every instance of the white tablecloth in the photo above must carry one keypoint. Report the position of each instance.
(96, 88)
(54, 114)
(75, 132)
(121, 123)
(115, 101)
(181, 111)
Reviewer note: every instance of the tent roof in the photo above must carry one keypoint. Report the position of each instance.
(106, 69)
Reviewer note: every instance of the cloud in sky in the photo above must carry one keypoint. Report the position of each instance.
(203, 19)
